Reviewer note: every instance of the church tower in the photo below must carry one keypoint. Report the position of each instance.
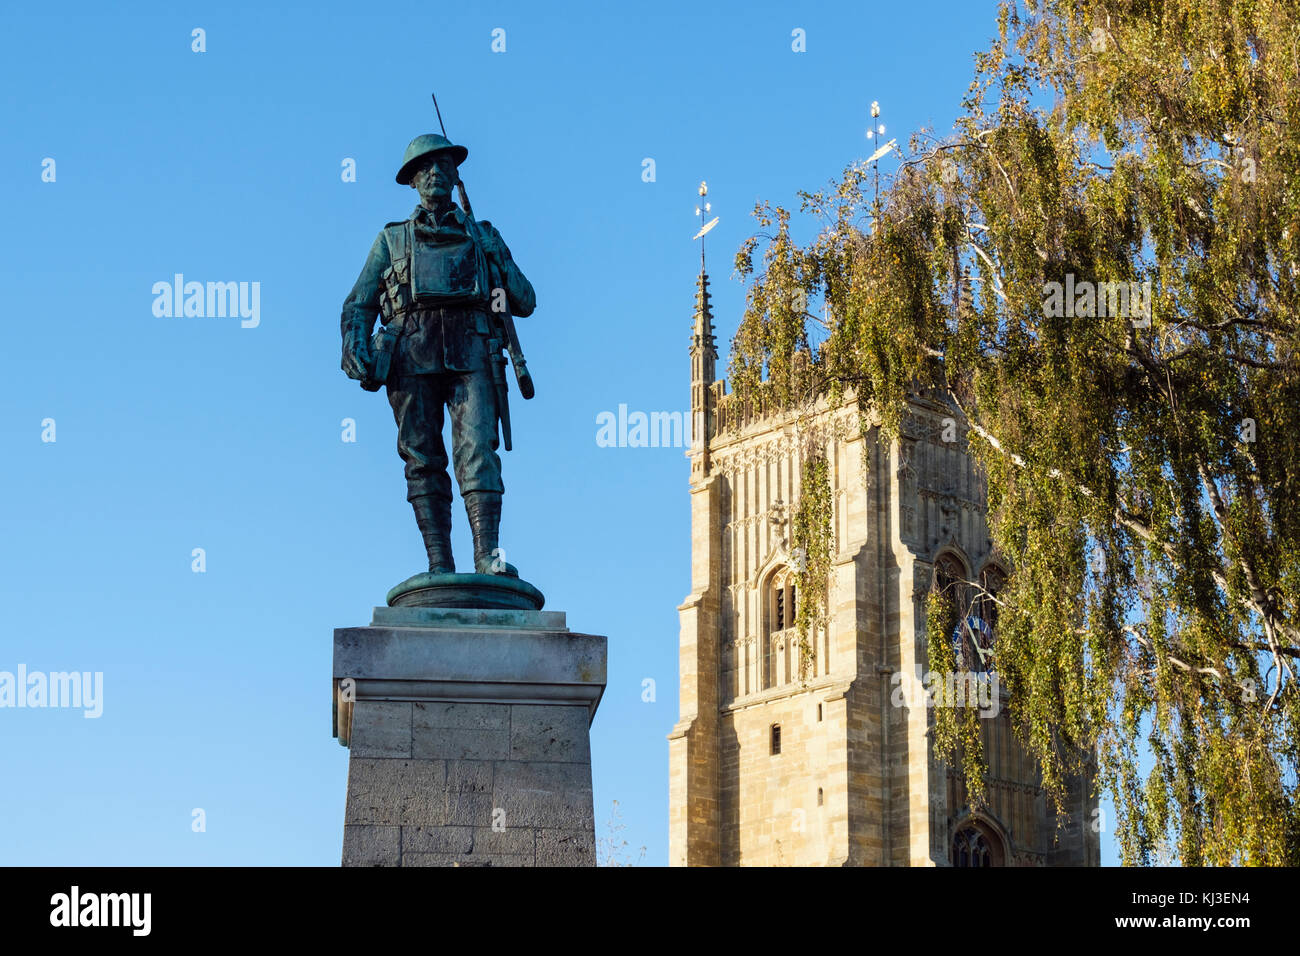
(821, 755)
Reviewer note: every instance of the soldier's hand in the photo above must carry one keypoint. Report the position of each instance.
(356, 359)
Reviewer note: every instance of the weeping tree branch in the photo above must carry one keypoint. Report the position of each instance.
(1258, 601)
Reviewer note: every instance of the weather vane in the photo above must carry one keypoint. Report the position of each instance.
(874, 131)
(704, 211)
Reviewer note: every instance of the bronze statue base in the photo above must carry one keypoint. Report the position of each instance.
(427, 589)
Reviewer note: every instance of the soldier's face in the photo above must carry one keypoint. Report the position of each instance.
(435, 179)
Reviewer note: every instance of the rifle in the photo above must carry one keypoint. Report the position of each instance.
(505, 337)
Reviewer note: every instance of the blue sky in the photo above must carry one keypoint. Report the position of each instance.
(183, 433)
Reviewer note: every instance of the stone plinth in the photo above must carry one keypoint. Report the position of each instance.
(468, 732)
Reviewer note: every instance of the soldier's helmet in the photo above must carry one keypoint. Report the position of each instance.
(423, 146)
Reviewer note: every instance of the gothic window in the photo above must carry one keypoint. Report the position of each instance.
(984, 627)
(779, 614)
(786, 646)
(973, 614)
(783, 604)
(950, 582)
(950, 578)
(992, 581)
(973, 845)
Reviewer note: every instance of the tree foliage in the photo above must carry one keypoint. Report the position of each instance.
(813, 530)
(1142, 460)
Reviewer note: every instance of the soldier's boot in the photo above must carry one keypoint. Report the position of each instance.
(484, 510)
(433, 515)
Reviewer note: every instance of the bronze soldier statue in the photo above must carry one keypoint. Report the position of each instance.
(445, 286)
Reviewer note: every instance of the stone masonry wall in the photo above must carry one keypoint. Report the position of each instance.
(437, 783)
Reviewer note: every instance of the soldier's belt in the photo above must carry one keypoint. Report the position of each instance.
(475, 316)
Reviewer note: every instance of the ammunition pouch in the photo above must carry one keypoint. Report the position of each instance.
(395, 301)
(382, 347)
(395, 284)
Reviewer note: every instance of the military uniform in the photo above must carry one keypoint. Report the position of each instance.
(432, 278)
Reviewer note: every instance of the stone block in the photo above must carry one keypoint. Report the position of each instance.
(393, 792)
(449, 839)
(381, 728)
(537, 776)
(441, 859)
(371, 845)
(552, 733)
(473, 776)
(452, 859)
(456, 715)
(461, 731)
(565, 848)
(512, 841)
(448, 743)
(547, 795)
(466, 808)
